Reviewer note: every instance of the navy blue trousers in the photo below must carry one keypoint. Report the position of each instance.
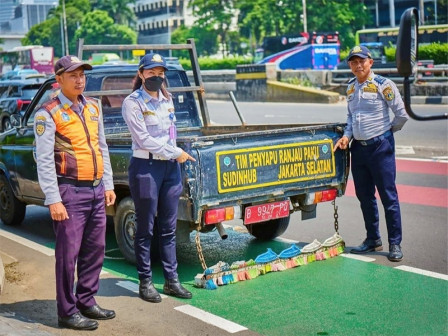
(374, 166)
(155, 188)
(80, 243)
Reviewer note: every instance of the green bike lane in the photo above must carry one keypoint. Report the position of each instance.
(338, 296)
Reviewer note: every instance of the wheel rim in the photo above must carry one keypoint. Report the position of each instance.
(130, 228)
(5, 198)
(6, 125)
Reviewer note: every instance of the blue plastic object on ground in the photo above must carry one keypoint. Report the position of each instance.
(266, 257)
(290, 252)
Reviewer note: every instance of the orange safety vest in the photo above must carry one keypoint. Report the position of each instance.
(76, 150)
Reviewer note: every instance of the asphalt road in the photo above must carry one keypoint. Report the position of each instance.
(29, 302)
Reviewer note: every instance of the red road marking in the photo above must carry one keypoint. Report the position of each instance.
(422, 167)
(437, 197)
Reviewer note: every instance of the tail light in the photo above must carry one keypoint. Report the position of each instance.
(19, 104)
(219, 215)
(321, 196)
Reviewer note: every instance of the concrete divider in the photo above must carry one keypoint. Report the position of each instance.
(284, 92)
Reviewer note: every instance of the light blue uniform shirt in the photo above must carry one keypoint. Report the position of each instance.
(149, 122)
(368, 108)
(46, 168)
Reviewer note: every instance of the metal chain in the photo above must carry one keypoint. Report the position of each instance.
(199, 249)
(336, 224)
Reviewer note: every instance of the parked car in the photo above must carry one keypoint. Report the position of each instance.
(15, 96)
(10, 74)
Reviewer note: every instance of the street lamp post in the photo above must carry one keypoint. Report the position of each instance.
(168, 25)
(65, 27)
(305, 28)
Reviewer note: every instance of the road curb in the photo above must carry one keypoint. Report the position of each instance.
(429, 100)
(2, 275)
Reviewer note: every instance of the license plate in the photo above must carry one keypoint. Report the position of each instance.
(264, 212)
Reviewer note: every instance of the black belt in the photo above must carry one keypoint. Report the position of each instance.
(78, 183)
(375, 139)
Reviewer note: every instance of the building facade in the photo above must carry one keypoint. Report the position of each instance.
(157, 19)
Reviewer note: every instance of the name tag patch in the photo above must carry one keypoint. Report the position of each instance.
(370, 88)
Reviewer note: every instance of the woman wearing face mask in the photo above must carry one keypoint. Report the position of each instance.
(154, 174)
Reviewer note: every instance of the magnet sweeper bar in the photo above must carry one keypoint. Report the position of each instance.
(223, 274)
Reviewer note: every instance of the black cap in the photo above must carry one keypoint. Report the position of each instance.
(152, 60)
(359, 51)
(69, 63)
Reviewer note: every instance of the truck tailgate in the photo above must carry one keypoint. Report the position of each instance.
(261, 165)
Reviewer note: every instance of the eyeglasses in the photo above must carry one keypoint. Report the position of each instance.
(359, 62)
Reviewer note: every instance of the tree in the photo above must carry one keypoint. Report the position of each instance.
(48, 32)
(261, 18)
(119, 10)
(99, 28)
(205, 40)
(216, 15)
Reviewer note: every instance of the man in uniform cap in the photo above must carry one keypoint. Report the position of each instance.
(370, 98)
(75, 175)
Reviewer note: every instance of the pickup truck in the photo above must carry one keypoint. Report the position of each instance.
(258, 173)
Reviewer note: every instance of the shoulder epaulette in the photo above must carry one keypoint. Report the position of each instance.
(352, 80)
(135, 94)
(379, 79)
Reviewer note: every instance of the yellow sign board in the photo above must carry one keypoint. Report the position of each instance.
(138, 52)
(250, 168)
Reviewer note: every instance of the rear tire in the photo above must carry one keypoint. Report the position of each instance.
(125, 225)
(12, 211)
(270, 229)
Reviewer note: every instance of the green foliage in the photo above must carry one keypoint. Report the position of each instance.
(99, 28)
(117, 9)
(298, 81)
(435, 51)
(205, 40)
(207, 63)
(48, 32)
(261, 18)
(214, 15)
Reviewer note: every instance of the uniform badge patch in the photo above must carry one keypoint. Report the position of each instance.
(40, 125)
(66, 106)
(350, 90)
(388, 93)
(92, 110)
(93, 118)
(65, 116)
(140, 116)
(171, 109)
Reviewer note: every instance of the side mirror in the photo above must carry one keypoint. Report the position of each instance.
(406, 57)
(16, 120)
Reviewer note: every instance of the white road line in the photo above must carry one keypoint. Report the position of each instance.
(434, 159)
(286, 240)
(357, 257)
(422, 272)
(28, 243)
(214, 320)
(402, 150)
(133, 287)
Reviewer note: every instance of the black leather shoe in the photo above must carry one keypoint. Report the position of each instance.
(77, 322)
(98, 313)
(147, 292)
(395, 253)
(174, 288)
(368, 246)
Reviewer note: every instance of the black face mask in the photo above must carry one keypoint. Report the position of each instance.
(153, 83)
